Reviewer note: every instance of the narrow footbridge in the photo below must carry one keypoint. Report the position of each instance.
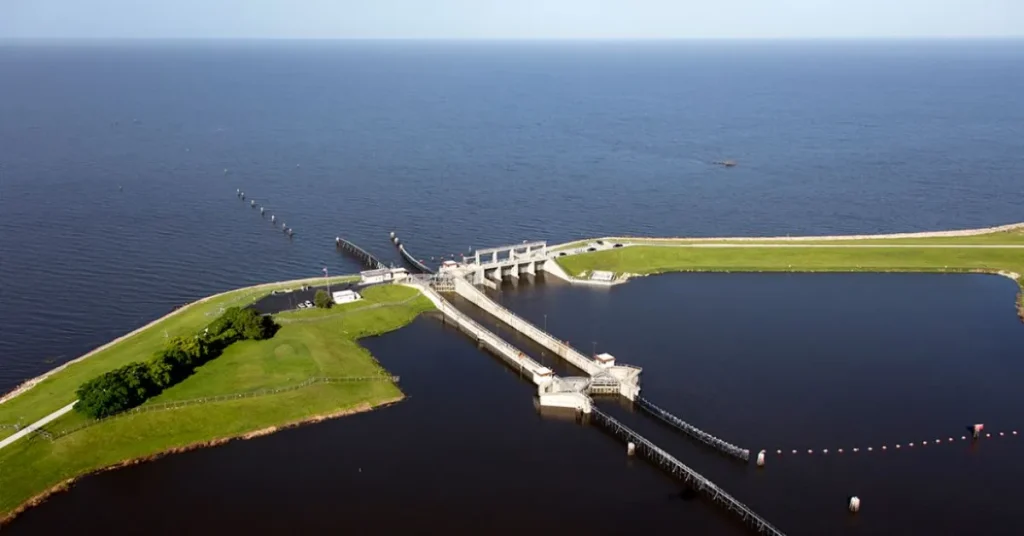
(693, 431)
(365, 257)
(676, 468)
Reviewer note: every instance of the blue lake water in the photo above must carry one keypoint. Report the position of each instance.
(119, 165)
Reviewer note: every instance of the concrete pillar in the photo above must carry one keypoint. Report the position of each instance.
(531, 268)
(476, 256)
(494, 257)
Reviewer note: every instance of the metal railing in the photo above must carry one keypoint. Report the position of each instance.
(365, 256)
(693, 431)
(676, 468)
(501, 346)
(476, 296)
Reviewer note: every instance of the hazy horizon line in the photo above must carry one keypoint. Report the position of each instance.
(529, 39)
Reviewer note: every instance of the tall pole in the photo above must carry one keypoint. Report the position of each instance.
(327, 280)
(594, 348)
(545, 323)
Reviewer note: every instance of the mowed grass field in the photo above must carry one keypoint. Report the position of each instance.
(311, 344)
(1011, 237)
(790, 256)
(58, 390)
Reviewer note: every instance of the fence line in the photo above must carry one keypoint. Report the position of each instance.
(177, 404)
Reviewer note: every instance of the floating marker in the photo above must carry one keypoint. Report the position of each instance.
(963, 438)
(824, 451)
(855, 504)
(794, 451)
(760, 459)
(630, 448)
(840, 451)
(884, 447)
(855, 449)
(869, 449)
(779, 451)
(809, 451)
(897, 445)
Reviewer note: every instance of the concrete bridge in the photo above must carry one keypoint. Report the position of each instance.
(605, 377)
(552, 391)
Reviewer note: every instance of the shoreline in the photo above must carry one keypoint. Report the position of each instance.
(804, 238)
(66, 485)
(32, 382)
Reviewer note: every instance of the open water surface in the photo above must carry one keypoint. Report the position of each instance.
(769, 362)
(118, 170)
(458, 145)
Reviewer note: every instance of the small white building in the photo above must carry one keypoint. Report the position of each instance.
(448, 265)
(600, 275)
(398, 274)
(346, 296)
(380, 275)
(605, 360)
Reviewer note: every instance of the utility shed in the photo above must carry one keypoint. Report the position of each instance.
(346, 296)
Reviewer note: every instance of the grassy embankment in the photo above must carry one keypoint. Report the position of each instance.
(309, 344)
(789, 256)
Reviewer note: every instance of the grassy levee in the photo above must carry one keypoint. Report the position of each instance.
(659, 259)
(309, 344)
(58, 390)
(1013, 236)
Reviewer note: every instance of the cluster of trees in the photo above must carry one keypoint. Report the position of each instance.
(322, 299)
(131, 385)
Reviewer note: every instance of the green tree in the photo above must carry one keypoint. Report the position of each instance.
(323, 300)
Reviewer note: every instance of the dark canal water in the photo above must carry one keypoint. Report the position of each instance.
(763, 360)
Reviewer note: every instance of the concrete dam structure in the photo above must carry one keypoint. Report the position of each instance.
(601, 374)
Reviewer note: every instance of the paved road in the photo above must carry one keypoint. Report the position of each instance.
(798, 245)
(37, 425)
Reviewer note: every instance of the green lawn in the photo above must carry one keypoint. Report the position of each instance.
(657, 259)
(1012, 237)
(58, 390)
(319, 345)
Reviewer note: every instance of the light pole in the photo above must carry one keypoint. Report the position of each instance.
(545, 323)
(327, 280)
(593, 349)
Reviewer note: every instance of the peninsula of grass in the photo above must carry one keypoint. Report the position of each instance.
(254, 387)
(998, 252)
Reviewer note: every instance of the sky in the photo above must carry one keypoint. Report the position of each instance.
(510, 19)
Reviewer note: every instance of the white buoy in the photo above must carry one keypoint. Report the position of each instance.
(760, 459)
(284, 225)
(252, 202)
(392, 234)
(855, 504)
(261, 210)
(273, 218)
(630, 448)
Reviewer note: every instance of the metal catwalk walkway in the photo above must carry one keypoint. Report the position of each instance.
(679, 470)
(693, 431)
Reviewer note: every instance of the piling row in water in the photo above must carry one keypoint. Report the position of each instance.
(693, 431)
(416, 263)
(671, 465)
(273, 219)
(364, 256)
